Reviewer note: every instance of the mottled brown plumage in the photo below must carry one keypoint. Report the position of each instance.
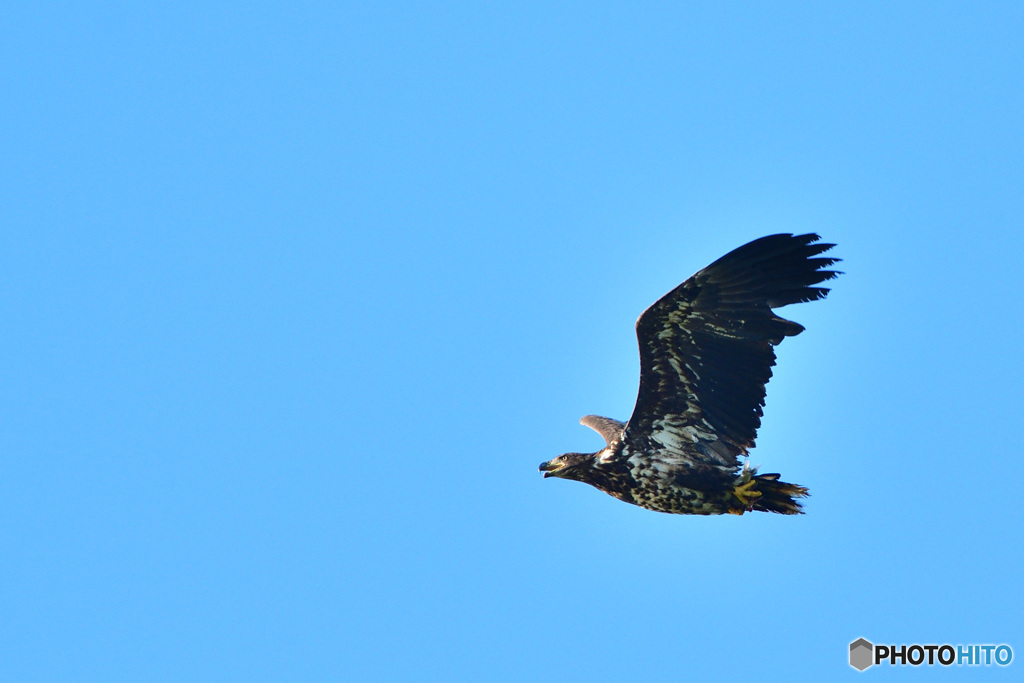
(706, 354)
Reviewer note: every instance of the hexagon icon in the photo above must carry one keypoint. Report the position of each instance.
(861, 654)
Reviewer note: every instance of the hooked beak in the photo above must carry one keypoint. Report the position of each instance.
(551, 468)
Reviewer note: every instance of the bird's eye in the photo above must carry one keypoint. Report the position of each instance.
(563, 457)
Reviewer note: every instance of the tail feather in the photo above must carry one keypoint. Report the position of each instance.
(778, 496)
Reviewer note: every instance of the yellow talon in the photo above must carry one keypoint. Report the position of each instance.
(746, 493)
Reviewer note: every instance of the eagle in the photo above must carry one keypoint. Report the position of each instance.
(706, 354)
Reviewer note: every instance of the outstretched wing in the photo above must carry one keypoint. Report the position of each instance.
(609, 429)
(706, 348)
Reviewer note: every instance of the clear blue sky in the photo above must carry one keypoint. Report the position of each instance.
(295, 298)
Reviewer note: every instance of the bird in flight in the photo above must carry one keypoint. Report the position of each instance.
(706, 354)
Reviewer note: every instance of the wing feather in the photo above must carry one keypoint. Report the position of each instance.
(609, 429)
(706, 349)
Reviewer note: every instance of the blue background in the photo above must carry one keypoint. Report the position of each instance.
(295, 298)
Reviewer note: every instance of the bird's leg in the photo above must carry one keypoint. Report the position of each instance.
(745, 490)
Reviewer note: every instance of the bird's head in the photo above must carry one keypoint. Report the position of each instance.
(569, 466)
